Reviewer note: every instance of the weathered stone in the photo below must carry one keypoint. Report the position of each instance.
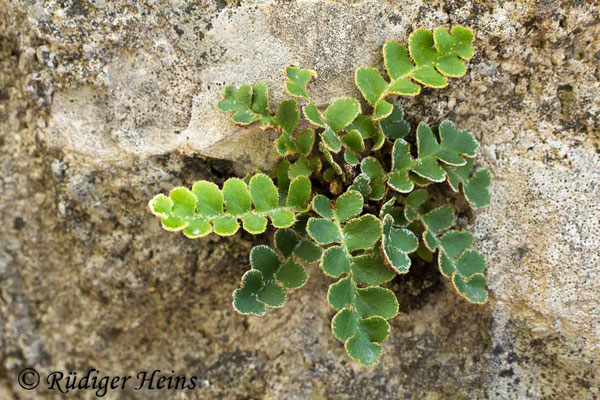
(104, 104)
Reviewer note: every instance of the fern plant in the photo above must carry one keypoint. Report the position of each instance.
(349, 193)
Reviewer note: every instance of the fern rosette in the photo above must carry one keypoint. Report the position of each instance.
(376, 170)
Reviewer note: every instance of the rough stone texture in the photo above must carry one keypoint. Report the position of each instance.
(103, 104)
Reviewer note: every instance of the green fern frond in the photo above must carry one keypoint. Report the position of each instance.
(378, 172)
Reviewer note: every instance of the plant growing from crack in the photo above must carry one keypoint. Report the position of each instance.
(350, 192)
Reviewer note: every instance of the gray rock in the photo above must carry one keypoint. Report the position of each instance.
(104, 104)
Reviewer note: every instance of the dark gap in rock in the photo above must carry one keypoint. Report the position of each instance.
(205, 168)
(416, 288)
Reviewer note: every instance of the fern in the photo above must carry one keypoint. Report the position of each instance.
(435, 56)
(368, 214)
(361, 321)
(200, 211)
(273, 272)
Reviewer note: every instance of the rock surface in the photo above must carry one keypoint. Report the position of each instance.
(104, 104)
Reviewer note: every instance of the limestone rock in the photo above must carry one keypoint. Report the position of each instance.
(103, 104)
